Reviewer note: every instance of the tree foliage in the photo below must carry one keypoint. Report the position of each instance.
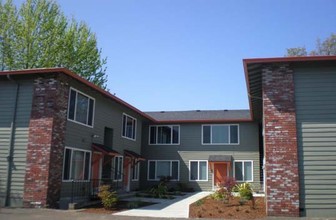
(324, 48)
(39, 35)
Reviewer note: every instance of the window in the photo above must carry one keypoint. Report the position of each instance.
(118, 168)
(198, 170)
(164, 134)
(220, 134)
(80, 108)
(76, 164)
(163, 168)
(128, 127)
(135, 171)
(243, 170)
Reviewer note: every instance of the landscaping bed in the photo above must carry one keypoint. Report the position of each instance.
(209, 207)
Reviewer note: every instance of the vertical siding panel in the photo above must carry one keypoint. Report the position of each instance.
(7, 98)
(315, 93)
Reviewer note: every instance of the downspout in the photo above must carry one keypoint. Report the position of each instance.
(11, 144)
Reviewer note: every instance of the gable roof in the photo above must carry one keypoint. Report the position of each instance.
(201, 116)
(253, 75)
(46, 71)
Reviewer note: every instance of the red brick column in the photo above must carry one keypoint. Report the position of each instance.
(282, 179)
(45, 149)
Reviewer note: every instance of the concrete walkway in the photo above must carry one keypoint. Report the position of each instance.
(168, 208)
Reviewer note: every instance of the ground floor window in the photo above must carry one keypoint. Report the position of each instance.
(118, 168)
(163, 168)
(135, 171)
(243, 170)
(198, 170)
(76, 164)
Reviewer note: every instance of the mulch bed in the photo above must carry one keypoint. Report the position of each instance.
(120, 206)
(211, 208)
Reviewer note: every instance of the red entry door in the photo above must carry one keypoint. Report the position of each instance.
(127, 165)
(220, 173)
(96, 168)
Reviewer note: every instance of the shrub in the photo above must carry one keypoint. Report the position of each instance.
(245, 191)
(220, 194)
(160, 190)
(228, 185)
(108, 197)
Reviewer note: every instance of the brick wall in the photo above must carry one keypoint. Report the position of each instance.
(46, 142)
(282, 179)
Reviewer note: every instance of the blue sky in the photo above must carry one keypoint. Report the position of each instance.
(187, 54)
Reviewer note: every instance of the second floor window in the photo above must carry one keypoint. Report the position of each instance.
(80, 108)
(129, 127)
(164, 134)
(220, 134)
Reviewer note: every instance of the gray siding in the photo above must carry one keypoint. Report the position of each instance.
(315, 93)
(107, 114)
(7, 100)
(191, 148)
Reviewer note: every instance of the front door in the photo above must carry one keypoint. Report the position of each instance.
(96, 169)
(220, 173)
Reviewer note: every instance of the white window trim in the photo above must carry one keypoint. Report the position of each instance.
(198, 169)
(157, 133)
(229, 130)
(122, 127)
(76, 149)
(243, 161)
(137, 167)
(93, 111)
(121, 170)
(171, 164)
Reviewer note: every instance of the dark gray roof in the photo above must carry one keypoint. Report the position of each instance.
(219, 158)
(200, 115)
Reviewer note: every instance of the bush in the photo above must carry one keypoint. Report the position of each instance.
(199, 202)
(220, 194)
(245, 191)
(108, 197)
(159, 191)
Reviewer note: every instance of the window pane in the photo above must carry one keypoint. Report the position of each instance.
(129, 127)
(164, 135)
(72, 105)
(206, 134)
(174, 170)
(239, 171)
(118, 168)
(162, 169)
(175, 134)
(152, 135)
(90, 119)
(134, 125)
(135, 171)
(220, 134)
(193, 170)
(124, 126)
(234, 134)
(82, 108)
(87, 165)
(77, 165)
(203, 170)
(66, 168)
(248, 171)
(152, 170)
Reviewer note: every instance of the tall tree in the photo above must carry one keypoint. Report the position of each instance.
(39, 35)
(324, 48)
